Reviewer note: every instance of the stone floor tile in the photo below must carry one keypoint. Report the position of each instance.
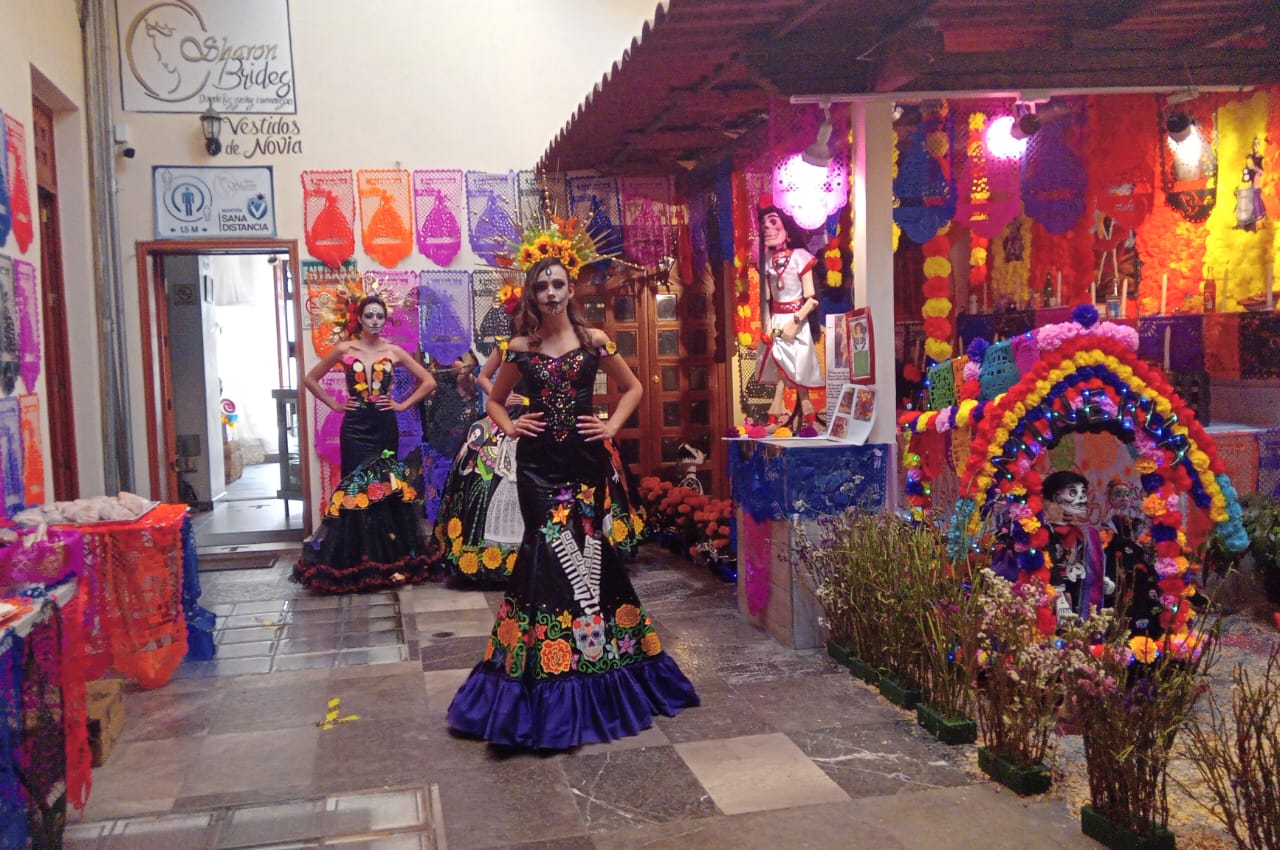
(242, 761)
(436, 598)
(879, 761)
(441, 625)
(441, 685)
(141, 776)
(403, 841)
(165, 713)
(833, 699)
(453, 653)
(373, 655)
(503, 802)
(722, 714)
(359, 814)
(381, 698)
(305, 661)
(292, 821)
(274, 702)
(170, 832)
(758, 772)
(628, 787)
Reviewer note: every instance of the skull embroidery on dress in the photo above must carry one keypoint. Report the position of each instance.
(588, 635)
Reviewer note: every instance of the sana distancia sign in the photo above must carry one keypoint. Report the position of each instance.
(210, 202)
(188, 55)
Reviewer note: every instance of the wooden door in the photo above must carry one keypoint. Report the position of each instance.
(53, 301)
(666, 333)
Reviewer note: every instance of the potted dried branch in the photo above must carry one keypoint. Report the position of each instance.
(950, 641)
(1238, 757)
(1132, 696)
(1020, 685)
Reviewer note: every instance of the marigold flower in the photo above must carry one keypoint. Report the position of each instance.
(556, 656)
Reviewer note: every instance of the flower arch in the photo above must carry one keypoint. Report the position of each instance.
(1088, 378)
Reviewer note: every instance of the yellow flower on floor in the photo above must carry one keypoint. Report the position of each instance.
(628, 616)
(492, 557)
(455, 527)
(565, 619)
(469, 563)
(651, 645)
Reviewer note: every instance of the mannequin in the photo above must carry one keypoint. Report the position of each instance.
(787, 355)
(1076, 569)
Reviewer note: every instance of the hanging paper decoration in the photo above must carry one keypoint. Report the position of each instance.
(437, 204)
(1054, 178)
(444, 310)
(10, 360)
(987, 191)
(646, 219)
(26, 289)
(32, 456)
(937, 293)
(923, 188)
(6, 214)
(329, 421)
(326, 292)
(11, 455)
(491, 211)
(494, 321)
(19, 190)
(700, 206)
(329, 214)
(386, 214)
(531, 205)
(409, 420)
(809, 194)
(594, 201)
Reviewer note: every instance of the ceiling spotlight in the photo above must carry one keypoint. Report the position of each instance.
(1178, 125)
(818, 154)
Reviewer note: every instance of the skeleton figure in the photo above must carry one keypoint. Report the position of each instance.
(588, 635)
(1075, 547)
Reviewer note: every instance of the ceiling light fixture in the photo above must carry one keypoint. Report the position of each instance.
(818, 154)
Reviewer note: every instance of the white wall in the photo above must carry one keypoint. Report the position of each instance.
(481, 84)
(40, 53)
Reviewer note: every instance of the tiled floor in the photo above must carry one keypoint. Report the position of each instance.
(786, 751)
(250, 512)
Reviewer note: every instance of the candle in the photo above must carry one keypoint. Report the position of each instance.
(1166, 347)
(1124, 297)
(1057, 298)
(1093, 291)
(1164, 293)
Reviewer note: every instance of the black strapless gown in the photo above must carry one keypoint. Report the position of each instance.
(372, 533)
(573, 658)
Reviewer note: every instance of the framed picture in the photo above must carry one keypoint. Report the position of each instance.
(862, 358)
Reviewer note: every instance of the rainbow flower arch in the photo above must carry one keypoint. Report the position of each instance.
(1088, 378)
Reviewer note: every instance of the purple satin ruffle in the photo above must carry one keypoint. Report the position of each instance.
(565, 712)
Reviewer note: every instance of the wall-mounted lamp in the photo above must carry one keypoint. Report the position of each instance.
(818, 154)
(211, 126)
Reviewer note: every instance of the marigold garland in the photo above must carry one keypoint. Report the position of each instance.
(937, 292)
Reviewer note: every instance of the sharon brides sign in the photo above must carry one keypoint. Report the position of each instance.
(188, 55)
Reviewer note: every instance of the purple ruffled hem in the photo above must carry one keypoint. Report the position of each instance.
(566, 712)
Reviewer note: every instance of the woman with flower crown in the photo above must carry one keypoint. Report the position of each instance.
(371, 536)
(572, 658)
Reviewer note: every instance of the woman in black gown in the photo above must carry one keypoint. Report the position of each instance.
(573, 658)
(372, 533)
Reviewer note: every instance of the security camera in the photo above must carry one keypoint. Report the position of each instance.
(129, 152)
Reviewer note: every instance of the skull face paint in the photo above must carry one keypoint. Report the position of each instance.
(552, 290)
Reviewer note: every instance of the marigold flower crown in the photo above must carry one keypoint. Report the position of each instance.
(574, 241)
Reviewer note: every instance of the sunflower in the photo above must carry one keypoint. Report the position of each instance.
(542, 246)
(527, 255)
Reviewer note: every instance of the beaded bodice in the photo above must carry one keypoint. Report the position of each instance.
(367, 383)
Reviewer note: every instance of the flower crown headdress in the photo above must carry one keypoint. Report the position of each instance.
(572, 241)
(339, 308)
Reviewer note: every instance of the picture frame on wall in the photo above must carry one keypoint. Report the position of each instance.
(862, 358)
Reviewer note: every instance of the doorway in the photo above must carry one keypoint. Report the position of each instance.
(220, 324)
(666, 331)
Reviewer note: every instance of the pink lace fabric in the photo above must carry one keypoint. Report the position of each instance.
(437, 204)
(987, 190)
(646, 218)
(26, 292)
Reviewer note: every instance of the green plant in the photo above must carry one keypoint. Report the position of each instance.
(1238, 757)
(950, 641)
(1262, 523)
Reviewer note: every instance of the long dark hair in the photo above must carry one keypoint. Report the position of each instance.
(529, 319)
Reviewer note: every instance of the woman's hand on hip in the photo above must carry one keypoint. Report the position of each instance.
(594, 429)
(527, 425)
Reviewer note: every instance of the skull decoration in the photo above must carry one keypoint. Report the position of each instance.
(588, 634)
